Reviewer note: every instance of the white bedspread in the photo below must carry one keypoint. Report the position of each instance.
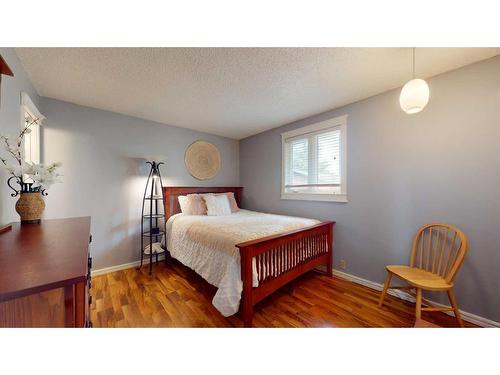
(206, 244)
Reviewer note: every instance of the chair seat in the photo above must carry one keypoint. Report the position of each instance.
(420, 278)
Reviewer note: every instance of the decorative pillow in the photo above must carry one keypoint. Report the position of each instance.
(217, 205)
(232, 201)
(192, 204)
(199, 205)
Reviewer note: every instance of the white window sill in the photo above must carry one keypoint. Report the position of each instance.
(342, 198)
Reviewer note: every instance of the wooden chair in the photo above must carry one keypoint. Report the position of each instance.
(437, 253)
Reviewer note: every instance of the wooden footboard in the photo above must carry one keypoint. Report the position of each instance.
(281, 258)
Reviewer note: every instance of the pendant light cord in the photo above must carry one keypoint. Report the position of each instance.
(413, 62)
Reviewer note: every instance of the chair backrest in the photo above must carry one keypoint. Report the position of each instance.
(440, 249)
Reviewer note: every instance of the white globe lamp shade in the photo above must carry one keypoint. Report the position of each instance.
(414, 96)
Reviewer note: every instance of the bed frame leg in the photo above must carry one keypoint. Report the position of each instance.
(247, 316)
(329, 265)
(246, 277)
(329, 268)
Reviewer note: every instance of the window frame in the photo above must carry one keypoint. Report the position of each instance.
(29, 108)
(337, 123)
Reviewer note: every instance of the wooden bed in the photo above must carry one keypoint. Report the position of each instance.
(289, 254)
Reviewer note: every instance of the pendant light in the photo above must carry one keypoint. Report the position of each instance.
(415, 94)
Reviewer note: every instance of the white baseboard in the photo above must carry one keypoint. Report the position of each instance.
(137, 263)
(472, 318)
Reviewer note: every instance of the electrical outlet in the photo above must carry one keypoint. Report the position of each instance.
(342, 264)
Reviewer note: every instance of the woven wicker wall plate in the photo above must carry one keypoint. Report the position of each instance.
(202, 160)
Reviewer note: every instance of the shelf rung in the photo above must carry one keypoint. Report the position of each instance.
(149, 234)
(155, 197)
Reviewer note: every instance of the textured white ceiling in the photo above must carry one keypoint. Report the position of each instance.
(233, 92)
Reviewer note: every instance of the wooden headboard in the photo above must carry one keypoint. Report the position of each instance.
(170, 195)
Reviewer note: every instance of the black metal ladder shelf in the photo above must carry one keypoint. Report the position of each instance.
(153, 218)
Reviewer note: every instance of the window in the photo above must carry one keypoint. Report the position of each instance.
(314, 162)
(30, 114)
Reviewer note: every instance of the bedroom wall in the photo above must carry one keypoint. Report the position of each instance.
(441, 165)
(104, 177)
(10, 123)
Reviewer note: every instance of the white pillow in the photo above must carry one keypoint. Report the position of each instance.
(232, 201)
(183, 203)
(217, 205)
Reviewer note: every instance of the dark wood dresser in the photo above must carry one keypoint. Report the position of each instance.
(45, 274)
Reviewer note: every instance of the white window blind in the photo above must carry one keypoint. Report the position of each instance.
(314, 162)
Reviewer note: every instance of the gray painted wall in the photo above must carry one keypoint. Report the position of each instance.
(103, 179)
(10, 123)
(403, 171)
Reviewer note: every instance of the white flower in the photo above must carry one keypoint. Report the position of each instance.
(52, 167)
(44, 177)
(21, 170)
(41, 176)
(28, 168)
(42, 180)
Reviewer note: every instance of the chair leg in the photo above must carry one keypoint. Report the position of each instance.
(418, 304)
(386, 286)
(453, 302)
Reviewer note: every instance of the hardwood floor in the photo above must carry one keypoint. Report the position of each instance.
(175, 296)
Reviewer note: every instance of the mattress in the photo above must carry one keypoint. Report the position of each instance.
(206, 244)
